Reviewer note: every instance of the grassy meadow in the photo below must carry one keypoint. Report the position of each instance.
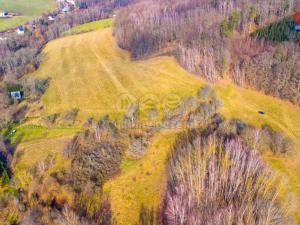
(28, 9)
(89, 72)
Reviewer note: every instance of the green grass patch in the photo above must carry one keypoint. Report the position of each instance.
(26, 133)
(28, 10)
(96, 25)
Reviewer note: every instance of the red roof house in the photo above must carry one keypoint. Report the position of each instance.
(297, 18)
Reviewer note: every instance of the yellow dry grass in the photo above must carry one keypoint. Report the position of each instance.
(244, 104)
(89, 72)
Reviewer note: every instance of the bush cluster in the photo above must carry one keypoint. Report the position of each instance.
(95, 154)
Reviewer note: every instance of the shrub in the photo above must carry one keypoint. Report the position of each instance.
(70, 116)
(277, 142)
(206, 92)
(68, 217)
(35, 87)
(263, 140)
(10, 209)
(51, 119)
(281, 144)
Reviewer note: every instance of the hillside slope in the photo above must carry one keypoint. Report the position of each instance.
(89, 72)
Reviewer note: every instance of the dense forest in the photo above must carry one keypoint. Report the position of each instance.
(211, 38)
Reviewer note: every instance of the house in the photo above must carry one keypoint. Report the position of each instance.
(21, 30)
(3, 14)
(296, 21)
(17, 95)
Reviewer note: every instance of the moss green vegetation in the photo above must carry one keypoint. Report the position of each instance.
(96, 25)
(89, 72)
(227, 26)
(28, 10)
(279, 31)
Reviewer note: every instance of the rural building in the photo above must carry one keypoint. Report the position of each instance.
(17, 95)
(21, 30)
(296, 20)
(3, 14)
